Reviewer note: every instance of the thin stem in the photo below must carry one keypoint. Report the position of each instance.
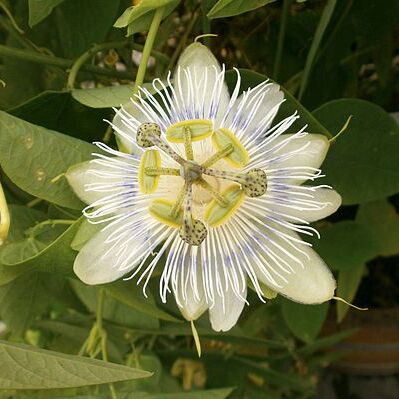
(34, 202)
(318, 36)
(103, 333)
(182, 42)
(39, 58)
(100, 308)
(281, 37)
(11, 18)
(33, 230)
(206, 23)
(147, 49)
(86, 56)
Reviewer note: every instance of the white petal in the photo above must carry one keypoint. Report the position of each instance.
(78, 177)
(199, 84)
(100, 261)
(189, 290)
(291, 155)
(253, 112)
(315, 205)
(223, 318)
(84, 176)
(191, 309)
(315, 148)
(311, 285)
(282, 261)
(92, 267)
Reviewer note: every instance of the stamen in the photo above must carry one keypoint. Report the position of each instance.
(192, 231)
(179, 202)
(149, 134)
(226, 150)
(214, 193)
(162, 171)
(254, 182)
(188, 146)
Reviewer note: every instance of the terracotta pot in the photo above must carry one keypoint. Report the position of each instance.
(374, 348)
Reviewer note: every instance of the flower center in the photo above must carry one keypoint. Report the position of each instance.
(203, 184)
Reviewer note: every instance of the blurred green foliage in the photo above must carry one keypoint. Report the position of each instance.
(339, 57)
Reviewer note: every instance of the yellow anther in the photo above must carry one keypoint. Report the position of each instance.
(215, 214)
(199, 129)
(148, 183)
(238, 157)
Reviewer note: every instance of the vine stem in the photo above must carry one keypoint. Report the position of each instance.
(33, 230)
(86, 56)
(39, 58)
(182, 42)
(156, 21)
(281, 38)
(103, 334)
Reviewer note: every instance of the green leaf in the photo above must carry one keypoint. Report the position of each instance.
(58, 110)
(221, 393)
(104, 97)
(7, 275)
(132, 296)
(348, 283)
(22, 218)
(40, 9)
(57, 257)
(22, 300)
(305, 321)
(82, 23)
(107, 97)
(346, 244)
(209, 394)
(318, 36)
(27, 367)
(382, 221)
(229, 8)
(251, 79)
(362, 164)
(138, 18)
(324, 343)
(32, 156)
